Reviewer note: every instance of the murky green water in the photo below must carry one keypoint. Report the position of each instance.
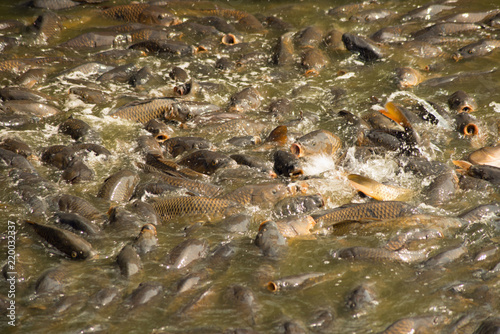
(401, 290)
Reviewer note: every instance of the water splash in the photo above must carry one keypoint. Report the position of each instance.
(427, 105)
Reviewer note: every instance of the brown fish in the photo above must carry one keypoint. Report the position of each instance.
(70, 203)
(264, 195)
(313, 60)
(185, 253)
(197, 187)
(366, 211)
(379, 191)
(380, 254)
(129, 261)
(175, 207)
(67, 242)
(119, 186)
(144, 111)
(295, 226)
(284, 51)
(142, 13)
(295, 282)
(316, 142)
(407, 77)
(206, 162)
(488, 155)
(460, 101)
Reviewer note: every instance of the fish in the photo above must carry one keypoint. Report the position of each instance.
(185, 253)
(244, 300)
(270, 240)
(371, 15)
(287, 164)
(206, 162)
(444, 29)
(298, 205)
(248, 99)
(17, 146)
(129, 261)
(35, 110)
(401, 240)
(313, 60)
(77, 222)
(366, 211)
(120, 186)
(441, 189)
(147, 240)
(177, 180)
(245, 21)
(476, 49)
(144, 111)
(427, 11)
(180, 144)
(471, 17)
(92, 39)
(278, 135)
(283, 53)
(52, 281)
(295, 226)
(264, 195)
(460, 101)
(142, 13)
(75, 128)
(445, 257)
(67, 242)
(485, 172)
(366, 49)
(488, 155)
(316, 142)
(468, 125)
(380, 254)
(176, 207)
(309, 37)
(296, 282)
(146, 292)
(15, 160)
(379, 191)
(70, 203)
(157, 161)
(407, 77)
(360, 298)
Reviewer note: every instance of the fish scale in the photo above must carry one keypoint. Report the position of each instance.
(169, 208)
(144, 111)
(363, 211)
(205, 189)
(126, 12)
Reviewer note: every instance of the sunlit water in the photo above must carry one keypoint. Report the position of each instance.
(401, 290)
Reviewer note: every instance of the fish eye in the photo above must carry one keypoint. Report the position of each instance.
(74, 254)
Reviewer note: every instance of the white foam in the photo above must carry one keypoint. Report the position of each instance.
(346, 76)
(318, 164)
(495, 106)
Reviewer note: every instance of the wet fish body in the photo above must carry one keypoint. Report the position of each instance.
(170, 208)
(119, 187)
(65, 241)
(366, 211)
(367, 50)
(186, 253)
(144, 111)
